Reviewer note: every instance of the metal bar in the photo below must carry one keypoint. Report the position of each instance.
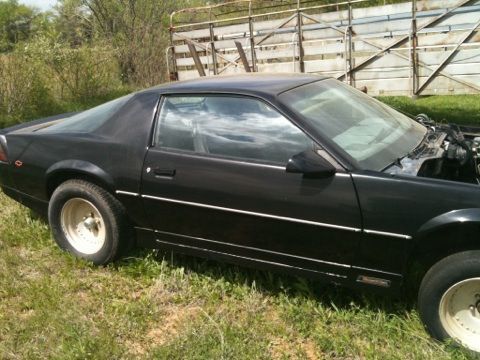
(203, 47)
(167, 55)
(243, 56)
(266, 37)
(350, 45)
(301, 52)
(413, 52)
(405, 38)
(252, 43)
(420, 63)
(264, 14)
(196, 59)
(447, 59)
(214, 52)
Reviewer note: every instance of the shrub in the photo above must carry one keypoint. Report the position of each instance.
(23, 91)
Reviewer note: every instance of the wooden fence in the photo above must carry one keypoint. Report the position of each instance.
(411, 48)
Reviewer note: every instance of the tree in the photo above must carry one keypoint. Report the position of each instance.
(16, 24)
(74, 23)
(138, 29)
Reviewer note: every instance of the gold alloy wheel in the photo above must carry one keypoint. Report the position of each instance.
(460, 313)
(83, 226)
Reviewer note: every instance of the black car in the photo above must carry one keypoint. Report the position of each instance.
(282, 172)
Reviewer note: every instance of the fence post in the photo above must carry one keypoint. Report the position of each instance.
(350, 45)
(413, 54)
(252, 44)
(214, 52)
(173, 76)
(252, 37)
(300, 38)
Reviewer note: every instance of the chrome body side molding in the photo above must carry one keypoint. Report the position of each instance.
(269, 216)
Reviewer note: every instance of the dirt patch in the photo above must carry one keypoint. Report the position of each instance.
(284, 348)
(171, 324)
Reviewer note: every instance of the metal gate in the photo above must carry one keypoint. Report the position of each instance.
(411, 48)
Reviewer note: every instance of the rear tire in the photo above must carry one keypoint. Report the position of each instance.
(449, 299)
(88, 222)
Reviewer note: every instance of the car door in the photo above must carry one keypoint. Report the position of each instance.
(215, 179)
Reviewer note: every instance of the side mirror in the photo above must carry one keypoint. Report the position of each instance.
(310, 164)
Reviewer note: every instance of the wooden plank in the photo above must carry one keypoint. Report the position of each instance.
(465, 59)
(441, 86)
(385, 87)
(432, 58)
(341, 17)
(332, 35)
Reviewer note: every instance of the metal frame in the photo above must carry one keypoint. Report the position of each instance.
(448, 59)
(349, 37)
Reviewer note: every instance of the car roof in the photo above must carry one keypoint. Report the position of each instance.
(253, 83)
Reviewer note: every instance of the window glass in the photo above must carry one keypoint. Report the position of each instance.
(237, 127)
(372, 133)
(88, 120)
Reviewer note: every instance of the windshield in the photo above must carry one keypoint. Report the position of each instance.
(372, 133)
(88, 120)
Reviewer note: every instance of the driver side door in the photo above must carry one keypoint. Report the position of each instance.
(215, 179)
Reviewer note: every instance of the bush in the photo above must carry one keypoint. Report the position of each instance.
(23, 91)
(76, 73)
(45, 78)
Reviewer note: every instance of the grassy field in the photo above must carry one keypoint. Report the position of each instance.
(167, 306)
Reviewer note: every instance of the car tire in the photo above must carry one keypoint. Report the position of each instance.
(449, 299)
(88, 221)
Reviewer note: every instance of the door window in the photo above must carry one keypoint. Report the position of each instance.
(229, 126)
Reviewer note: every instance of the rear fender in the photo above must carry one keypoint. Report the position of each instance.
(80, 167)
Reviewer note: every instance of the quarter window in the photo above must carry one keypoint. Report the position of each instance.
(227, 126)
(89, 120)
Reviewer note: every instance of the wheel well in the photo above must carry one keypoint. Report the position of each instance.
(437, 245)
(60, 177)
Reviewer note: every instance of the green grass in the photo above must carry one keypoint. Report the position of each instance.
(460, 109)
(167, 306)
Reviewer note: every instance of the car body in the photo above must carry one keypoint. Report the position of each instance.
(309, 210)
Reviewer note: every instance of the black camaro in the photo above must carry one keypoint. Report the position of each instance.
(282, 172)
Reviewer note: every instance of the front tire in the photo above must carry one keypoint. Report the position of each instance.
(449, 299)
(88, 221)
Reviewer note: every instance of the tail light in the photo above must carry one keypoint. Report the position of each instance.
(3, 149)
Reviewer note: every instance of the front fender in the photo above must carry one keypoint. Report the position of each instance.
(455, 217)
(79, 167)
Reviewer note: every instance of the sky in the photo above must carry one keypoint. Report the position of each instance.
(41, 4)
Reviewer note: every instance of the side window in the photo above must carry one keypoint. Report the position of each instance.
(228, 126)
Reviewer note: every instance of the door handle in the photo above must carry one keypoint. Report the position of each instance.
(161, 172)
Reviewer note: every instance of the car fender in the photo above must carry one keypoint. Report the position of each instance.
(455, 217)
(80, 167)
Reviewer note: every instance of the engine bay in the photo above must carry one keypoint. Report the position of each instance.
(448, 151)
